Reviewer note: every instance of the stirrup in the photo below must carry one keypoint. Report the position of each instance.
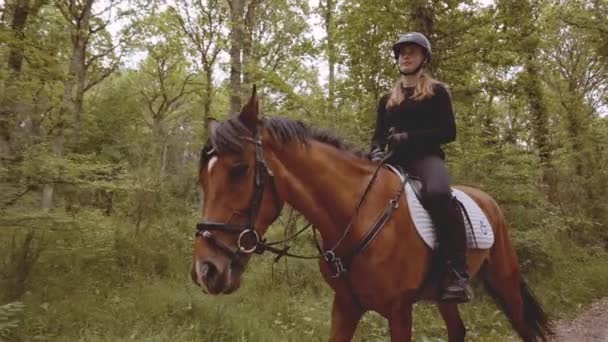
(458, 290)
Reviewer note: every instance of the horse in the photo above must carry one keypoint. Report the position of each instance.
(251, 166)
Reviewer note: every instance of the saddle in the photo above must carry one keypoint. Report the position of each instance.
(478, 228)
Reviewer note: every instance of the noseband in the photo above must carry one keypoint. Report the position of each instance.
(248, 230)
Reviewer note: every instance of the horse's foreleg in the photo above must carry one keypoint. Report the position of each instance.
(400, 323)
(451, 317)
(345, 316)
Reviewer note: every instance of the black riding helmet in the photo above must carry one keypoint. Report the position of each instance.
(413, 38)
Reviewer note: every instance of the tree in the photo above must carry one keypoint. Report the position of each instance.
(20, 11)
(328, 10)
(166, 81)
(203, 22)
(590, 16)
(78, 15)
(578, 83)
(236, 48)
(92, 59)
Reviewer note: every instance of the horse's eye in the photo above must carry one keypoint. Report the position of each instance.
(238, 170)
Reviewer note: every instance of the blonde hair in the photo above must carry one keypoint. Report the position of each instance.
(424, 89)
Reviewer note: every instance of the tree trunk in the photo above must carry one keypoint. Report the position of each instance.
(249, 29)
(578, 126)
(331, 52)
(48, 190)
(540, 122)
(79, 98)
(489, 131)
(539, 116)
(6, 150)
(23, 256)
(236, 38)
(15, 61)
(20, 14)
(208, 95)
(207, 38)
(163, 164)
(423, 18)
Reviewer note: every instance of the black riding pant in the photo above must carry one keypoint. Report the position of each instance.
(433, 173)
(437, 199)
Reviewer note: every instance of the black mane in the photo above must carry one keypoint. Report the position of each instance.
(226, 138)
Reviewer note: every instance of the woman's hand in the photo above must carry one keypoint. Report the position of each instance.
(376, 155)
(397, 139)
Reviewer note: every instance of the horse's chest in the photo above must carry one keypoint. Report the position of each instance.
(378, 274)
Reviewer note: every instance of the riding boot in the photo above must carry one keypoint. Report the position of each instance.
(453, 247)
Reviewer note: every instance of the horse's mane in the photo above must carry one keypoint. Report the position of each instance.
(226, 138)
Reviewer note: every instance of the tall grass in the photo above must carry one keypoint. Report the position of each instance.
(102, 282)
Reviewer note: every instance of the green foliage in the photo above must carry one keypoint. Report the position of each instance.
(94, 293)
(110, 260)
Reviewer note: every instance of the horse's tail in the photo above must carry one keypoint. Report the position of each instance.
(504, 282)
(536, 320)
(534, 313)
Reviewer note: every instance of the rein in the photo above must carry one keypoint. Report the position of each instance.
(330, 253)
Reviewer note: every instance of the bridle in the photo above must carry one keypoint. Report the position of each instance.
(246, 232)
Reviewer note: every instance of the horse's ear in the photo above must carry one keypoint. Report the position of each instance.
(212, 124)
(249, 113)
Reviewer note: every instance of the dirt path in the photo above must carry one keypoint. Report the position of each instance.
(590, 325)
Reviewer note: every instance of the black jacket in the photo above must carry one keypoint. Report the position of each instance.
(429, 124)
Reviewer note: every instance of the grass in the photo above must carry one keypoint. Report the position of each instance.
(113, 287)
(263, 310)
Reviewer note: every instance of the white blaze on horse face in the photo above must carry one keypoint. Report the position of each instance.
(212, 162)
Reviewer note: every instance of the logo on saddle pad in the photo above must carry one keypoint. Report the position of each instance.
(483, 227)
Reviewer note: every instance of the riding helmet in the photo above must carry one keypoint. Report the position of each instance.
(413, 38)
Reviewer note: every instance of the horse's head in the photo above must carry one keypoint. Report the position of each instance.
(240, 201)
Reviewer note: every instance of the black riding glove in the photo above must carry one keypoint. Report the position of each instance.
(376, 155)
(397, 139)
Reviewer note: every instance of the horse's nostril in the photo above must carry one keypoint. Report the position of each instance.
(208, 271)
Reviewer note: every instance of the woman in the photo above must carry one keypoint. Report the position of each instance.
(413, 121)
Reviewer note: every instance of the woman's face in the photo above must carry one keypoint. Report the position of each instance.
(410, 57)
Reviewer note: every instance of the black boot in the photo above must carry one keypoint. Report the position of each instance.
(452, 237)
(458, 288)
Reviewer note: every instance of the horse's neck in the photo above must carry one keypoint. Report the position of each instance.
(324, 184)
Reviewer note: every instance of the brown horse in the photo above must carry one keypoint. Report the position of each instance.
(251, 166)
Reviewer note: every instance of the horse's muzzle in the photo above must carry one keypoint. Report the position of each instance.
(214, 279)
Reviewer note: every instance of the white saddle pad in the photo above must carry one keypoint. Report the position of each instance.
(479, 236)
